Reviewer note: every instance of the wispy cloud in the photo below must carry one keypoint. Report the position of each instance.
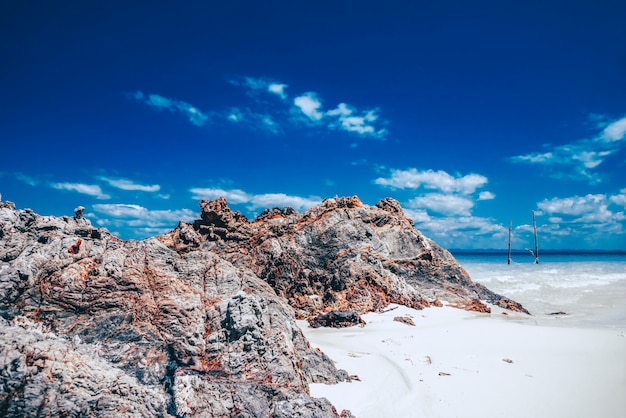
(261, 85)
(446, 204)
(591, 217)
(31, 181)
(307, 109)
(580, 159)
(88, 189)
(253, 120)
(126, 184)
(158, 102)
(348, 120)
(429, 179)
(256, 201)
(343, 117)
(139, 220)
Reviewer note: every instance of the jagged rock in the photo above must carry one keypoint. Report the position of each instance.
(336, 319)
(45, 375)
(129, 328)
(340, 255)
(472, 305)
(78, 212)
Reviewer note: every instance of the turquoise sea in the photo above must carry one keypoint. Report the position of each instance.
(587, 289)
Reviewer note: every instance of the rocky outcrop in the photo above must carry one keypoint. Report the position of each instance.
(340, 255)
(202, 321)
(95, 326)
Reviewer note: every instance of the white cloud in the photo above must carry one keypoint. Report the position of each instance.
(258, 112)
(619, 199)
(576, 160)
(574, 206)
(125, 184)
(309, 104)
(156, 101)
(119, 210)
(429, 179)
(278, 89)
(591, 212)
(347, 120)
(419, 216)
(266, 200)
(137, 212)
(234, 196)
(447, 204)
(270, 200)
(461, 231)
(591, 159)
(88, 189)
(535, 158)
(615, 131)
(138, 220)
(486, 196)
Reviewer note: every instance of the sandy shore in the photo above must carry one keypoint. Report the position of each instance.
(454, 363)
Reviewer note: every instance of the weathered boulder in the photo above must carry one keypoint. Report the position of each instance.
(340, 255)
(96, 326)
(336, 319)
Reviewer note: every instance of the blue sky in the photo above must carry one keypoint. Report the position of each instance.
(471, 115)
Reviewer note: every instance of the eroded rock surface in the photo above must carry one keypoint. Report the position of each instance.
(340, 255)
(95, 326)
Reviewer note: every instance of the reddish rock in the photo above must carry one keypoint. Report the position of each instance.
(95, 326)
(472, 305)
(340, 255)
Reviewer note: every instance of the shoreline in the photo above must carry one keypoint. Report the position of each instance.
(459, 363)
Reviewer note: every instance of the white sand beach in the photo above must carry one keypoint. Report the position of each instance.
(454, 363)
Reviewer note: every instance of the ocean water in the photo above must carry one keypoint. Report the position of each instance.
(590, 289)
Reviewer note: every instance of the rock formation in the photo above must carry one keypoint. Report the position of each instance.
(95, 326)
(202, 321)
(340, 255)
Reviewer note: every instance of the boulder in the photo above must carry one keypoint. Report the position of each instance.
(336, 319)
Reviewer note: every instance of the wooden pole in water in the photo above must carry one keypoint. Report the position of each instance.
(510, 226)
(536, 244)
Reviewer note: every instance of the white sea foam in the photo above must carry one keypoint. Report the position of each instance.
(590, 289)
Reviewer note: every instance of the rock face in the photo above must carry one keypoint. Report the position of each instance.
(202, 321)
(95, 326)
(340, 255)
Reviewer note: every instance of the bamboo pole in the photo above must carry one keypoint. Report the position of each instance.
(536, 243)
(510, 226)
